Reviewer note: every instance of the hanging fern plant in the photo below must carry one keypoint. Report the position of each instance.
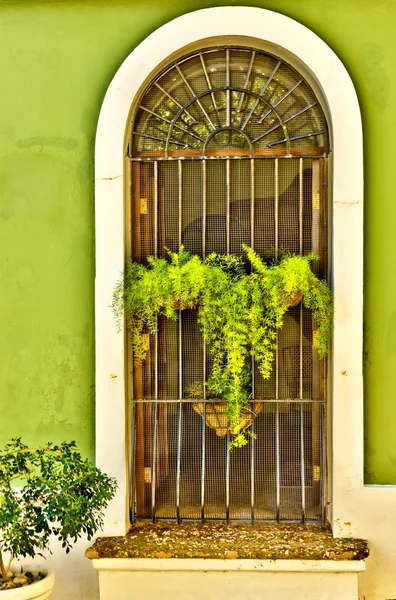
(239, 313)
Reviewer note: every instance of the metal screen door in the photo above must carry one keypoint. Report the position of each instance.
(229, 146)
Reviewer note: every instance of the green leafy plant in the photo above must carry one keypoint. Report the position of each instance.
(239, 312)
(58, 492)
(162, 288)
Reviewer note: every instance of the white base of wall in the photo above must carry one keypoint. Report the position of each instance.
(204, 579)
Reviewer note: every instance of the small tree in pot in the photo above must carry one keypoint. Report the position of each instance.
(58, 493)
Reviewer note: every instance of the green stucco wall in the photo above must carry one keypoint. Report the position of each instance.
(56, 61)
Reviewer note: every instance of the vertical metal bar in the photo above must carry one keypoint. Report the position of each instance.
(277, 441)
(203, 454)
(301, 202)
(180, 193)
(156, 254)
(277, 462)
(326, 274)
(301, 352)
(326, 250)
(302, 451)
(203, 208)
(180, 182)
(316, 202)
(324, 473)
(228, 204)
(252, 457)
(179, 427)
(252, 202)
(302, 456)
(325, 215)
(179, 444)
(228, 93)
(276, 195)
(156, 366)
(154, 463)
(132, 514)
(252, 443)
(156, 208)
(317, 372)
(203, 459)
(276, 210)
(228, 456)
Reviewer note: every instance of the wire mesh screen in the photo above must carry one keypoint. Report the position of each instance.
(186, 471)
(229, 148)
(182, 467)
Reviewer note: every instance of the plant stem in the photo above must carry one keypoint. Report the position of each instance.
(10, 561)
(2, 567)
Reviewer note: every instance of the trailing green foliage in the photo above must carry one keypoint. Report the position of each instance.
(161, 289)
(239, 313)
(58, 493)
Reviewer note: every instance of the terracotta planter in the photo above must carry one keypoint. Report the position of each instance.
(217, 419)
(40, 590)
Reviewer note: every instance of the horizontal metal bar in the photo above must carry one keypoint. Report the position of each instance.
(247, 157)
(219, 401)
(232, 520)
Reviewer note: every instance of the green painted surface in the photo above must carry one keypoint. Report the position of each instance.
(56, 62)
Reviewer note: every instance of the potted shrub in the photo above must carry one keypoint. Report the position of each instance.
(240, 307)
(58, 493)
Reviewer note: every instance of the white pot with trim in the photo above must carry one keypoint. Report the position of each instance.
(39, 590)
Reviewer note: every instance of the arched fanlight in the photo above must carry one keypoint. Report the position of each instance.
(228, 97)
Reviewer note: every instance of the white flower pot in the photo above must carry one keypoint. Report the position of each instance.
(40, 590)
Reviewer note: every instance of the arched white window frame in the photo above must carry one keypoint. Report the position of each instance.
(322, 68)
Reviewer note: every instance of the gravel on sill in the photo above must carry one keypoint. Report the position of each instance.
(219, 540)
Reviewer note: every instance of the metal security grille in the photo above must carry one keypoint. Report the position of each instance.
(229, 146)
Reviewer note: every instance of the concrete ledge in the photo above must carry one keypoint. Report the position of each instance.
(204, 579)
(212, 564)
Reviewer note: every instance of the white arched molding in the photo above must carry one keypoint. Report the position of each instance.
(324, 71)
